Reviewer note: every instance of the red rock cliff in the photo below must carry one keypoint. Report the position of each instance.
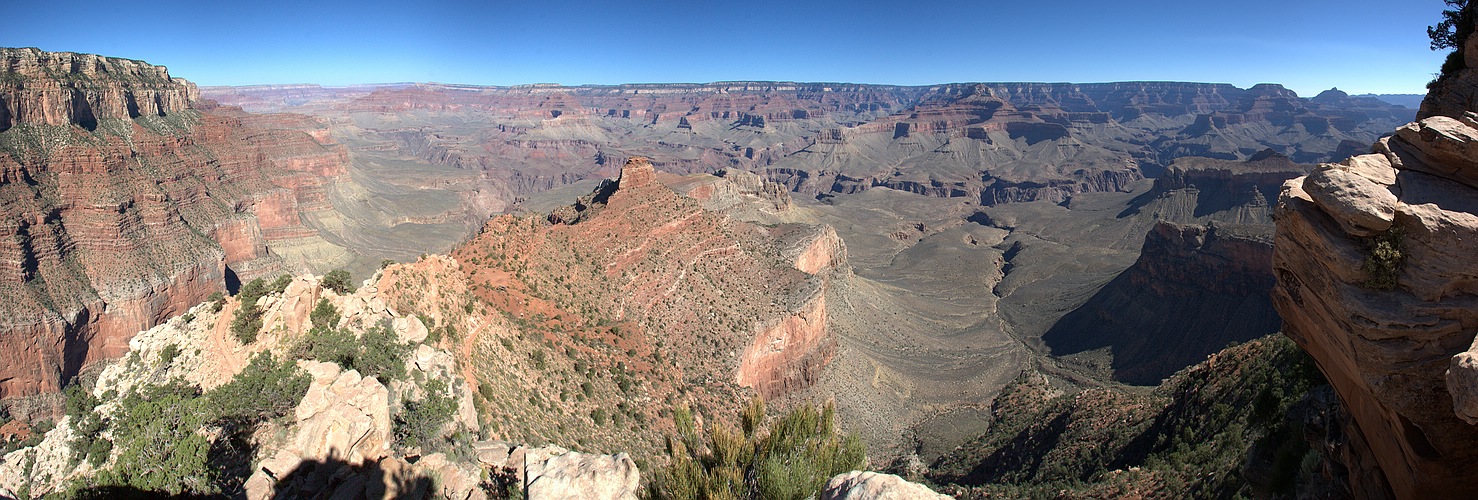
(63, 88)
(121, 206)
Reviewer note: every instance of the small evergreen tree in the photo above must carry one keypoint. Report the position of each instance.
(338, 280)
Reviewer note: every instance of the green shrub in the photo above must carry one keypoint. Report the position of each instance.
(87, 424)
(382, 355)
(158, 446)
(217, 300)
(324, 315)
(1383, 260)
(339, 281)
(377, 353)
(168, 354)
(419, 422)
(280, 285)
(265, 389)
(246, 323)
(252, 291)
(790, 458)
(248, 319)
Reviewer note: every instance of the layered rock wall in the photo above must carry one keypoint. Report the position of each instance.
(1376, 281)
(64, 88)
(124, 206)
(788, 354)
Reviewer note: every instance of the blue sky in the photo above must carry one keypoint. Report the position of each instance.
(1308, 45)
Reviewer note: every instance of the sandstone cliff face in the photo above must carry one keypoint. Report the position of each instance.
(123, 206)
(1375, 279)
(63, 88)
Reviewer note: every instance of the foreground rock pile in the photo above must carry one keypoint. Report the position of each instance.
(343, 438)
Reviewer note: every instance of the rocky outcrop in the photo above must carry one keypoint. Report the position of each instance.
(1455, 93)
(860, 485)
(818, 250)
(637, 173)
(1193, 290)
(1196, 190)
(1375, 280)
(732, 304)
(344, 416)
(64, 88)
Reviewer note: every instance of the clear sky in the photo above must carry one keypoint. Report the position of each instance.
(1308, 45)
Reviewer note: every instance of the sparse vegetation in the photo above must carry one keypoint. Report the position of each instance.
(159, 433)
(1383, 260)
(157, 443)
(264, 390)
(420, 422)
(168, 354)
(324, 315)
(1451, 33)
(217, 300)
(88, 425)
(1195, 437)
(248, 319)
(788, 458)
(339, 281)
(377, 353)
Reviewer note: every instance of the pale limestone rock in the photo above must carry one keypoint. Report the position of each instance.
(1294, 189)
(575, 475)
(410, 330)
(494, 454)
(1376, 167)
(50, 460)
(343, 416)
(1390, 353)
(1462, 384)
(438, 364)
(453, 479)
(1442, 146)
(263, 482)
(1362, 207)
(859, 485)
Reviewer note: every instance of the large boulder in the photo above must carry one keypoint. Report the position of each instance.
(574, 475)
(344, 416)
(860, 485)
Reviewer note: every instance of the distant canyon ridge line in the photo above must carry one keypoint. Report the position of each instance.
(984, 143)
